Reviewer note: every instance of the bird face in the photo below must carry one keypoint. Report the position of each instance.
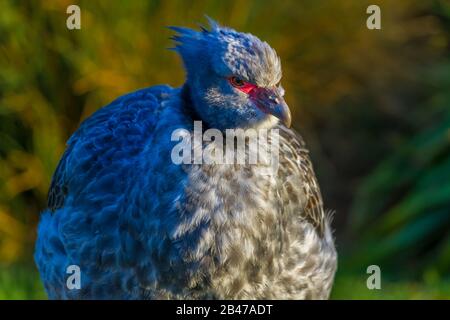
(268, 100)
(234, 78)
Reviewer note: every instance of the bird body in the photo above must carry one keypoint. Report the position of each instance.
(141, 227)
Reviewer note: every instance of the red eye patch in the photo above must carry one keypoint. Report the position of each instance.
(248, 87)
(242, 85)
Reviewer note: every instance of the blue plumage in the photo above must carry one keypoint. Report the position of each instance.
(139, 226)
(89, 190)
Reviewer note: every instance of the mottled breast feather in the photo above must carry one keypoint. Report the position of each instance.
(249, 235)
(296, 159)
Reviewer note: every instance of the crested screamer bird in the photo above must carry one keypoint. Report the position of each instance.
(139, 225)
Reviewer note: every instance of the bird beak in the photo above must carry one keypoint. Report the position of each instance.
(271, 102)
(282, 112)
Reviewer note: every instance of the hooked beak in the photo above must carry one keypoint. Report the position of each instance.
(271, 102)
(282, 112)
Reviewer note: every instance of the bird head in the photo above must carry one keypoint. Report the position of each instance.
(233, 78)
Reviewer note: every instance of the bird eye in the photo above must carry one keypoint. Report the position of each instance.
(237, 82)
(242, 85)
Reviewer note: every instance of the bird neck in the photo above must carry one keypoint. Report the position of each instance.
(189, 106)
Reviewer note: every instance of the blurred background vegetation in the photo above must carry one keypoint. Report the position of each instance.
(373, 105)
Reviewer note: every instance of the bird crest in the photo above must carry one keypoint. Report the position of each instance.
(227, 49)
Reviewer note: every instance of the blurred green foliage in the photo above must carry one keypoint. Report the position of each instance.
(374, 107)
(20, 283)
(354, 287)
